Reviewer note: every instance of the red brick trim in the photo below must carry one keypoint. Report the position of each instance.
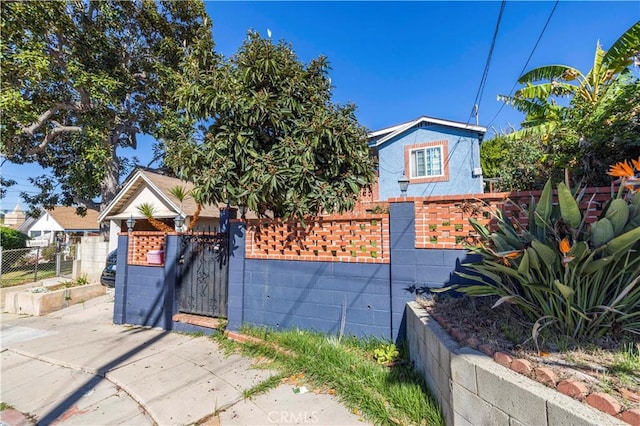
(445, 163)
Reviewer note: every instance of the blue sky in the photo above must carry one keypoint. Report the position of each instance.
(399, 60)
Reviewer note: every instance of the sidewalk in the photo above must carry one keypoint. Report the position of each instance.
(76, 367)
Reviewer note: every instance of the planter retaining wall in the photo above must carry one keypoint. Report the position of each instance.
(26, 302)
(472, 389)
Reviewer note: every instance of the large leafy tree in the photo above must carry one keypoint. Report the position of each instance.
(275, 141)
(81, 79)
(574, 133)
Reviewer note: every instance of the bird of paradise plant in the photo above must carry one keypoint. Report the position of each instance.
(559, 272)
(628, 174)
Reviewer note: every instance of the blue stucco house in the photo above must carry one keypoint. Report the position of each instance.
(440, 157)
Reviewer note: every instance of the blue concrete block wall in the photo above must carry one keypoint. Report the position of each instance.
(308, 295)
(299, 294)
(145, 295)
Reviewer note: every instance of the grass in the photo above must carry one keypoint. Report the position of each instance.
(26, 274)
(14, 278)
(384, 395)
(4, 406)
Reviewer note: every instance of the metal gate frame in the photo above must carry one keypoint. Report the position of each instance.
(203, 274)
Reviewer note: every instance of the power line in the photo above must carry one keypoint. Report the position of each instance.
(485, 73)
(546, 24)
(478, 99)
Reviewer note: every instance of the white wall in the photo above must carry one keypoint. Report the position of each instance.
(91, 256)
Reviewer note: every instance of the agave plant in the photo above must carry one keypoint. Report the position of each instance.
(148, 210)
(581, 280)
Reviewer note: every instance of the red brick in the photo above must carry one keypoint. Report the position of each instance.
(545, 376)
(503, 359)
(486, 349)
(522, 366)
(473, 341)
(573, 388)
(458, 334)
(631, 416)
(629, 395)
(604, 402)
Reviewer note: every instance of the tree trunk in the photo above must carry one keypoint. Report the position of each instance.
(109, 186)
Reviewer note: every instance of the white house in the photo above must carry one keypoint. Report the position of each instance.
(145, 186)
(60, 222)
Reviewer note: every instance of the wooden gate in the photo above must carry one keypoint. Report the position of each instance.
(203, 274)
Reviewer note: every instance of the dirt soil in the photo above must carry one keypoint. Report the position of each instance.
(602, 366)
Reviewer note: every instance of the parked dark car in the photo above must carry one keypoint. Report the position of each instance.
(108, 277)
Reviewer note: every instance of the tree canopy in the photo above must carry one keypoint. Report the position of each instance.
(275, 141)
(81, 79)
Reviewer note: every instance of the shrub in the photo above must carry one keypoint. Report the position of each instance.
(12, 239)
(580, 280)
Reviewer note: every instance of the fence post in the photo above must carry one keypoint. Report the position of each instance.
(58, 259)
(35, 276)
(0, 261)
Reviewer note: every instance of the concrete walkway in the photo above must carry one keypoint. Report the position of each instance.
(75, 367)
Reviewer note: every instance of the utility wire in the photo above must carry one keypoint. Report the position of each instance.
(485, 73)
(478, 99)
(528, 59)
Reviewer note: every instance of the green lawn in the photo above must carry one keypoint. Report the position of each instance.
(26, 274)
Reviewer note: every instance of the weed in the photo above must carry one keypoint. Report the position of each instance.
(386, 354)
(5, 406)
(627, 361)
(396, 395)
(264, 386)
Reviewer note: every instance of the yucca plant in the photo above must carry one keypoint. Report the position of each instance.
(581, 280)
(148, 210)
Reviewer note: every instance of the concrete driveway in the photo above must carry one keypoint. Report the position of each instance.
(76, 367)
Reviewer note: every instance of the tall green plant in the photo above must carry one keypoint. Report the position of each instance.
(581, 280)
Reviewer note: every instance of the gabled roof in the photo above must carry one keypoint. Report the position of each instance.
(393, 131)
(161, 186)
(69, 220)
(26, 225)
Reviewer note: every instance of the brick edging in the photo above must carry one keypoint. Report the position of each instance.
(573, 388)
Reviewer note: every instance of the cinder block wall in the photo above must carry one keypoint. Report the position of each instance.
(472, 389)
(312, 294)
(309, 295)
(90, 258)
(145, 294)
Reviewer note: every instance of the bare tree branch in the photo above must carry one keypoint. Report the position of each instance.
(127, 129)
(51, 136)
(41, 121)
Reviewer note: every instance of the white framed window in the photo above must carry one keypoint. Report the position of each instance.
(426, 162)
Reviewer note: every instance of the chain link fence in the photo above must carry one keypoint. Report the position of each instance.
(27, 265)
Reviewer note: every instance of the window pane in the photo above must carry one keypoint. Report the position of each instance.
(434, 161)
(417, 163)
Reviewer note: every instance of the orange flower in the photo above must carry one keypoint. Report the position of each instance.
(636, 164)
(506, 255)
(565, 248)
(622, 169)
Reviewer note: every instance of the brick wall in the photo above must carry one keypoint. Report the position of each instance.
(332, 238)
(442, 222)
(141, 243)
